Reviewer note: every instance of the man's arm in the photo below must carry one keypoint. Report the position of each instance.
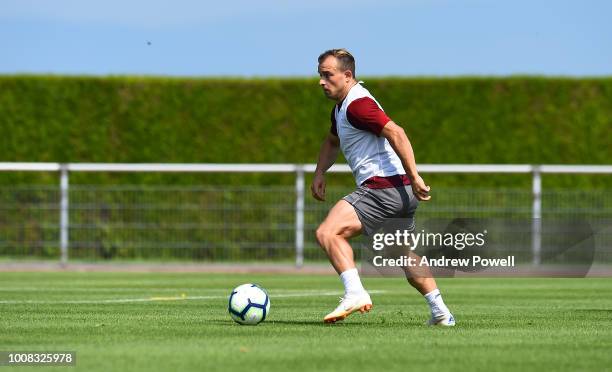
(327, 157)
(401, 144)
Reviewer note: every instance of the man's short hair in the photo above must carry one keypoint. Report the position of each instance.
(345, 59)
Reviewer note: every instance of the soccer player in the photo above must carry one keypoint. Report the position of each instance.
(389, 186)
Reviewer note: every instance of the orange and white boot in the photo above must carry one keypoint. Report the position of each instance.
(348, 305)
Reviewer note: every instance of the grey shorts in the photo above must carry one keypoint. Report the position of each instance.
(375, 206)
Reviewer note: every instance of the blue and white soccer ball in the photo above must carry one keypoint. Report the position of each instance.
(249, 304)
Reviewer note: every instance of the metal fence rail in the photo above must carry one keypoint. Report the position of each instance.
(117, 221)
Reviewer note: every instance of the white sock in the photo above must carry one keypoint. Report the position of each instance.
(351, 281)
(436, 304)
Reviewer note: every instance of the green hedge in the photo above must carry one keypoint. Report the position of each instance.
(449, 120)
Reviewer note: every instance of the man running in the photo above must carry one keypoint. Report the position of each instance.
(389, 186)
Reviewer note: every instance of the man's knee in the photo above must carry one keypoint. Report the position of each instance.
(324, 234)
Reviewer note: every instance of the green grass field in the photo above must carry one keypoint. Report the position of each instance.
(179, 322)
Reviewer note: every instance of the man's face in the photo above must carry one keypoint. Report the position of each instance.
(332, 80)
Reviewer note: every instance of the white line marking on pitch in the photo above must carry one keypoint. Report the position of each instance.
(174, 298)
(105, 289)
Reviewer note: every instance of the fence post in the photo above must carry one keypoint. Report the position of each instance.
(536, 223)
(299, 215)
(64, 214)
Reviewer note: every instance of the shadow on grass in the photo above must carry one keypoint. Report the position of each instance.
(314, 323)
(319, 323)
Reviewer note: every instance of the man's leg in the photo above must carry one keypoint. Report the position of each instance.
(421, 278)
(341, 224)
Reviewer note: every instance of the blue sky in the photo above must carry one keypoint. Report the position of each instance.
(284, 38)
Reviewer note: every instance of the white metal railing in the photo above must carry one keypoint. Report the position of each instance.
(299, 169)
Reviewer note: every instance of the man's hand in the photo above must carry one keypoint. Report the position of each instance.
(318, 187)
(420, 189)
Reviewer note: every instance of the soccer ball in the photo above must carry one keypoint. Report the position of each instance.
(249, 304)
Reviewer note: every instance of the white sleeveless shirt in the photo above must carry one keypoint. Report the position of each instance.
(367, 154)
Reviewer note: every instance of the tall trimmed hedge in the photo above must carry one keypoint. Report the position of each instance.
(449, 120)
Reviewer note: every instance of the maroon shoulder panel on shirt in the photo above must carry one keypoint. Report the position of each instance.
(334, 129)
(363, 113)
(378, 182)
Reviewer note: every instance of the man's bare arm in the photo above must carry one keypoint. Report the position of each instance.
(401, 144)
(327, 157)
(328, 153)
